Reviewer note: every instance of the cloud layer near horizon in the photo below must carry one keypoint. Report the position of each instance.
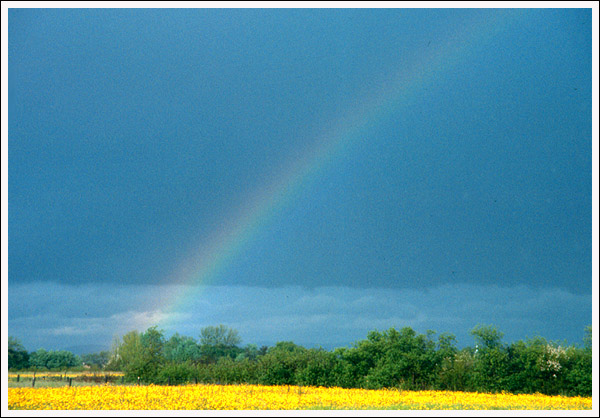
(59, 316)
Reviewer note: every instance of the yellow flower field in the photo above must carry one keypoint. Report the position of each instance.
(243, 397)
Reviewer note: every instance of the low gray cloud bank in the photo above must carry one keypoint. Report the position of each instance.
(88, 317)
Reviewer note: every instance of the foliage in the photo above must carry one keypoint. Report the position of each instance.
(279, 365)
(578, 375)
(317, 368)
(401, 359)
(219, 341)
(176, 373)
(18, 357)
(96, 360)
(149, 358)
(179, 349)
(250, 352)
(125, 352)
(490, 360)
(53, 360)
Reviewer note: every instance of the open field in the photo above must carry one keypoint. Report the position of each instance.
(54, 375)
(60, 379)
(245, 397)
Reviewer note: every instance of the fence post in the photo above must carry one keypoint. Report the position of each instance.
(123, 379)
(18, 377)
(106, 378)
(70, 381)
(33, 382)
(169, 381)
(195, 380)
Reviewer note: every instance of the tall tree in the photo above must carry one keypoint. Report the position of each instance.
(219, 335)
(139, 355)
(180, 348)
(54, 360)
(125, 350)
(219, 341)
(490, 367)
(18, 357)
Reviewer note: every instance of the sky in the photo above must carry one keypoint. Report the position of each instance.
(305, 175)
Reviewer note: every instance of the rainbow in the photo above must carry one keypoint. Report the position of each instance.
(212, 255)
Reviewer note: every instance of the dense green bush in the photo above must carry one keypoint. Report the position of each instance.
(402, 359)
(176, 373)
(18, 357)
(53, 360)
(316, 368)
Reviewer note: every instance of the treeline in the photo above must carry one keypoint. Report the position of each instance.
(401, 359)
(20, 359)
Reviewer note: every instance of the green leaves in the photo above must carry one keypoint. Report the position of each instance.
(53, 360)
(394, 358)
(18, 357)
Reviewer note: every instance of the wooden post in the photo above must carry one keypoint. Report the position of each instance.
(195, 380)
(33, 381)
(18, 377)
(70, 381)
(105, 378)
(123, 379)
(169, 381)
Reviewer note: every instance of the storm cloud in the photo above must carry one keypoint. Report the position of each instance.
(325, 316)
(301, 174)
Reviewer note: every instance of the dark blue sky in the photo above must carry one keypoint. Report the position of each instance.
(135, 135)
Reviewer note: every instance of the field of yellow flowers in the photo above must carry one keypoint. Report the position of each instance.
(245, 397)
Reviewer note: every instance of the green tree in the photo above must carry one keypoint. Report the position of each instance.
(147, 365)
(219, 335)
(404, 359)
(345, 374)
(456, 373)
(491, 359)
(219, 341)
(54, 360)
(525, 372)
(249, 352)
(391, 358)
(18, 357)
(587, 338)
(141, 355)
(176, 373)
(447, 377)
(316, 367)
(59, 360)
(487, 337)
(96, 360)
(180, 348)
(125, 350)
(39, 359)
(579, 369)
(279, 365)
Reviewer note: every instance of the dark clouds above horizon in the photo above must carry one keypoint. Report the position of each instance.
(136, 134)
(87, 317)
